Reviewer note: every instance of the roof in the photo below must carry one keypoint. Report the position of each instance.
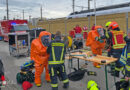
(120, 8)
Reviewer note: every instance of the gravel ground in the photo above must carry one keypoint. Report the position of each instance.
(11, 65)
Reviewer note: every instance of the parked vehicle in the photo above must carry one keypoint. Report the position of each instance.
(9, 26)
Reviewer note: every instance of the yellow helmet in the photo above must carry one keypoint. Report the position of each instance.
(91, 84)
(108, 23)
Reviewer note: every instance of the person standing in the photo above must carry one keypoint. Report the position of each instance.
(96, 40)
(57, 50)
(85, 32)
(117, 43)
(108, 40)
(40, 56)
(124, 62)
(78, 29)
(93, 27)
(125, 57)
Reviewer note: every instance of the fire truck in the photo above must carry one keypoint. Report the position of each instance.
(12, 26)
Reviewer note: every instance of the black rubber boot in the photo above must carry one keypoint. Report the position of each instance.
(55, 88)
(116, 74)
(66, 85)
(118, 85)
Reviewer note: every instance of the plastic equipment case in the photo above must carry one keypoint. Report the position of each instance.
(19, 44)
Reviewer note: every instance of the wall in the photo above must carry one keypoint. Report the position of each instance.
(65, 25)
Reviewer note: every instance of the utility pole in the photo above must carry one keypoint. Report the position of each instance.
(29, 18)
(73, 6)
(127, 23)
(23, 14)
(89, 15)
(41, 12)
(95, 10)
(89, 4)
(7, 9)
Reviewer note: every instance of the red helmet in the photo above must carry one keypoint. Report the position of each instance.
(113, 25)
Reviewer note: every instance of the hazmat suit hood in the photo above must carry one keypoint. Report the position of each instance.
(99, 30)
(42, 39)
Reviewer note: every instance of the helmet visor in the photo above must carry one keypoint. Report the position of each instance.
(45, 40)
(100, 31)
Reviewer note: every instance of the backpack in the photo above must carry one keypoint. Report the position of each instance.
(21, 77)
(76, 75)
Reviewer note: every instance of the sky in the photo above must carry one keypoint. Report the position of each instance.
(51, 8)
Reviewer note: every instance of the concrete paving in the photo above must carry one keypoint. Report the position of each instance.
(12, 67)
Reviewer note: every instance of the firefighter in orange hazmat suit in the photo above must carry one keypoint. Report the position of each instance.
(40, 56)
(96, 41)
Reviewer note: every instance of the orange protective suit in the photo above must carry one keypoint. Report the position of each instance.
(96, 46)
(40, 57)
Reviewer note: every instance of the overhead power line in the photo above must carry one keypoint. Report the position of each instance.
(82, 7)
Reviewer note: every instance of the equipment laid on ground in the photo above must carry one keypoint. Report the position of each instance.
(28, 66)
(19, 44)
(76, 75)
(91, 73)
(92, 85)
(26, 85)
(26, 73)
(86, 56)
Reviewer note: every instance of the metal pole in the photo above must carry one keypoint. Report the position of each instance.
(89, 15)
(7, 9)
(82, 8)
(95, 10)
(30, 18)
(41, 12)
(78, 63)
(106, 77)
(89, 4)
(23, 14)
(127, 22)
(65, 27)
(73, 6)
(49, 26)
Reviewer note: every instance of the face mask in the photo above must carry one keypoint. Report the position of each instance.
(45, 40)
(100, 31)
